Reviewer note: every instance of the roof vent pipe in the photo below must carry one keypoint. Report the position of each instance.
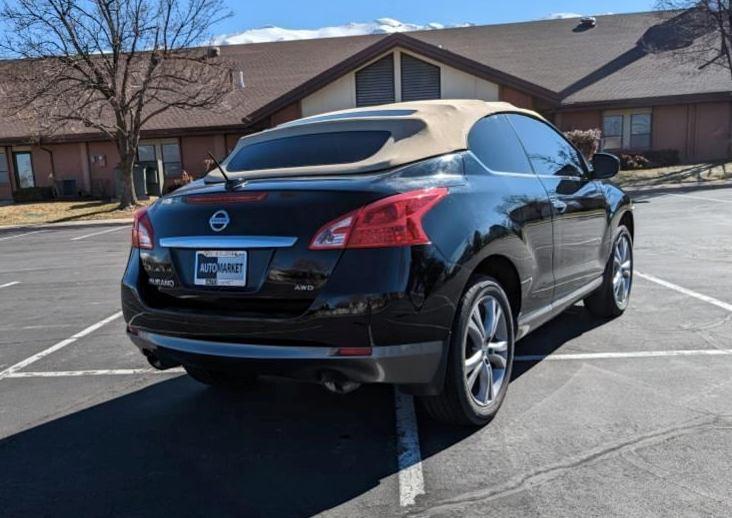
(237, 78)
(588, 21)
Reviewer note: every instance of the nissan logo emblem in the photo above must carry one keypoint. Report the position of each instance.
(219, 221)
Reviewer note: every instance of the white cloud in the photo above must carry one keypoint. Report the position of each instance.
(562, 16)
(273, 33)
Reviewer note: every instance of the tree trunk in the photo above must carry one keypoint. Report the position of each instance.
(128, 197)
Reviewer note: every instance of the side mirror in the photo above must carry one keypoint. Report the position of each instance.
(604, 165)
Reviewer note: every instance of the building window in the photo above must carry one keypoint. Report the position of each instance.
(146, 153)
(375, 83)
(24, 169)
(612, 132)
(420, 80)
(4, 173)
(640, 131)
(171, 159)
(627, 129)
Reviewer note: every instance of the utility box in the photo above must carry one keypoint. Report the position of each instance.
(138, 180)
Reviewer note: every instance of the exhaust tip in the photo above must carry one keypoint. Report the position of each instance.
(338, 384)
(157, 362)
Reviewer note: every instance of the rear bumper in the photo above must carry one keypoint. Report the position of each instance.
(406, 364)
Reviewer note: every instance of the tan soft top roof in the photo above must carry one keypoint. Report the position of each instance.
(419, 130)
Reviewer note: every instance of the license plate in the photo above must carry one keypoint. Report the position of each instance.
(221, 268)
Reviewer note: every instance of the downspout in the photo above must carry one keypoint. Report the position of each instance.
(50, 156)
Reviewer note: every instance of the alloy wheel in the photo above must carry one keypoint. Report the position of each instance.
(486, 350)
(622, 271)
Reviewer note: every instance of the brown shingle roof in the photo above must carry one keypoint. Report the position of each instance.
(270, 70)
(624, 57)
(614, 60)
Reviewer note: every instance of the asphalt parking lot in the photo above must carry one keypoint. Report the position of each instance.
(631, 417)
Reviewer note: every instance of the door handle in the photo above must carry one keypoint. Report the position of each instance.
(559, 205)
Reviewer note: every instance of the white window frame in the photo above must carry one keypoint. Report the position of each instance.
(158, 144)
(627, 115)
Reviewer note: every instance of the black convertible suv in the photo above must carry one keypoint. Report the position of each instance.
(410, 244)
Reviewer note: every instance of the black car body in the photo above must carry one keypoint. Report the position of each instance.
(376, 302)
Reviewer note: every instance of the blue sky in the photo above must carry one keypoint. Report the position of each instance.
(310, 14)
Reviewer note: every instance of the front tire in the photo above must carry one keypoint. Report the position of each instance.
(611, 299)
(220, 379)
(480, 357)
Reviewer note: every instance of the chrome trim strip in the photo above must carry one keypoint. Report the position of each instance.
(532, 174)
(254, 351)
(227, 242)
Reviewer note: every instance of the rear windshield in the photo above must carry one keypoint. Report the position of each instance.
(307, 150)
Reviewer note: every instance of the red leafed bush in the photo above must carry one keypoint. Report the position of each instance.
(633, 161)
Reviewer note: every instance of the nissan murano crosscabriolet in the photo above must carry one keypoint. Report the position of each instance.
(410, 244)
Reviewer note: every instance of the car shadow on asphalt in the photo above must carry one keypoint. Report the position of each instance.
(575, 321)
(572, 323)
(179, 448)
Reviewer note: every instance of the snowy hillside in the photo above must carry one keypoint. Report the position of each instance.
(272, 33)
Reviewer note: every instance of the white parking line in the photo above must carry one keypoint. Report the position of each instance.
(700, 296)
(9, 284)
(23, 234)
(618, 355)
(409, 456)
(98, 372)
(58, 346)
(99, 233)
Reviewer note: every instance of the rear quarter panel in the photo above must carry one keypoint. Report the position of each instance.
(497, 214)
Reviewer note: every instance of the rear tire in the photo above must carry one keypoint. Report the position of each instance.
(611, 299)
(220, 379)
(479, 363)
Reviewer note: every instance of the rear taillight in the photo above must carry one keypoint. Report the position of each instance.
(142, 230)
(392, 221)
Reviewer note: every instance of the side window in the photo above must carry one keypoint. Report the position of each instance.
(494, 142)
(548, 150)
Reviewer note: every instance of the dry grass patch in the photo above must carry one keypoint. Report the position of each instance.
(688, 174)
(60, 211)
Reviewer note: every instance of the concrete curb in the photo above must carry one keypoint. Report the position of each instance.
(68, 224)
(673, 187)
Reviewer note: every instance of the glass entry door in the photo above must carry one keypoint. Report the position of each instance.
(24, 169)
(147, 159)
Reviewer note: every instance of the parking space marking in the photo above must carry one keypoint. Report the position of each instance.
(97, 372)
(699, 197)
(700, 296)
(619, 355)
(60, 345)
(9, 284)
(99, 233)
(409, 456)
(23, 234)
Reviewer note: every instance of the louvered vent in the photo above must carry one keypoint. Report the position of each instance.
(375, 83)
(420, 80)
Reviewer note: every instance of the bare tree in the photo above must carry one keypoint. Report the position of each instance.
(706, 27)
(111, 66)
